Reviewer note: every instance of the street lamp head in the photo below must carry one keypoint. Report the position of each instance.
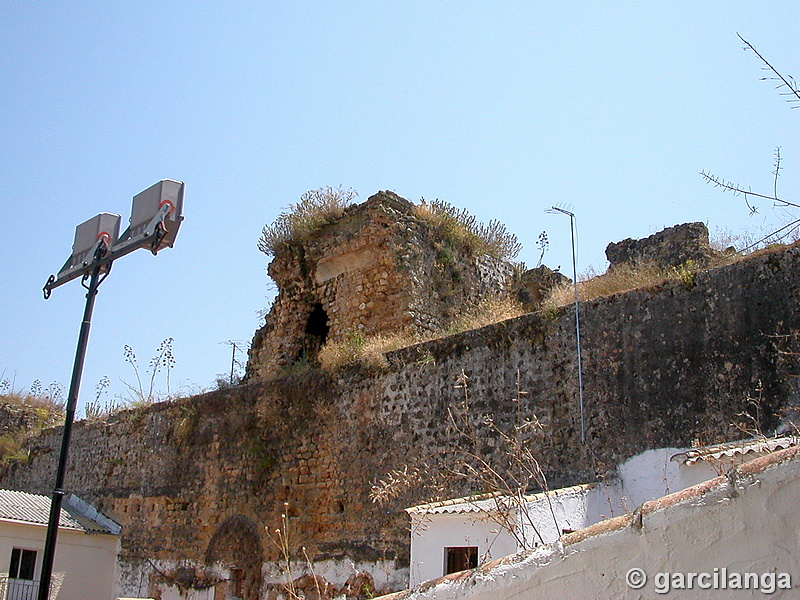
(89, 235)
(154, 222)
(155, 212)
(155, 217)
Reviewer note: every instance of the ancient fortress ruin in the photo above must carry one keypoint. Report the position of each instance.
(203, 485)
(378, 269)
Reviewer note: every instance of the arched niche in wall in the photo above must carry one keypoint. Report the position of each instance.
(236, 545)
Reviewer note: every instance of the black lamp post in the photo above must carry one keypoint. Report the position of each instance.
(155, 219)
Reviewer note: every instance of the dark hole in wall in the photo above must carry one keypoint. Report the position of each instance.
(317, 324)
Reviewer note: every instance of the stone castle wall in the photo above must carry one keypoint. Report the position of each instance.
(199, 485)
(378, 269)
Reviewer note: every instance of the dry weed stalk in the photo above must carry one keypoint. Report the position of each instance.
(500, 482)
(296, 588)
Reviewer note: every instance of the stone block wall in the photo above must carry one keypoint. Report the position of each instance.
(378, 269)
(671, 247)
(199, 485)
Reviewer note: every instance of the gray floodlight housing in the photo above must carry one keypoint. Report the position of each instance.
(160, 205)
(156, 215)
(104, 228)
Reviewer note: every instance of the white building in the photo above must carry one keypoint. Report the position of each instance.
(455, 535)
(86, 549)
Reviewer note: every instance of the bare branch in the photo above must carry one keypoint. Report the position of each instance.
(787, 82)
(737, 189)
(787, 229)
(502, 478)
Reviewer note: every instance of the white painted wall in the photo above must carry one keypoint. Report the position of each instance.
(750, 529)
(429, 538)
(83, 566)
(644, 477)
(545, 519)
(133, 578)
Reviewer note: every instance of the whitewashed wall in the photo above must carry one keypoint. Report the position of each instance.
(745, 523)
(645, 477)
(429, 538)
(83, 566)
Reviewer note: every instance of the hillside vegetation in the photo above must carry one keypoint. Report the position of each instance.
(24, 415)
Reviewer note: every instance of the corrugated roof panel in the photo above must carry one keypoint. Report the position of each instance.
(742, 447)
(487, 503)
(34, 508)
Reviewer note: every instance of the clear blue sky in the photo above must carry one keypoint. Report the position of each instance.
(505, 108)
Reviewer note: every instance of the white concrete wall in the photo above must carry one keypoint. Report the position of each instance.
(429, 538)
(745, 524)
(644, 477)
(546, 519)
(84, 564)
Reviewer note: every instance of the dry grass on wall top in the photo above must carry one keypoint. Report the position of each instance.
(626, 278)
(614, 281)
(24, 415)
(315, 209)
(461, 228)
(370, 351)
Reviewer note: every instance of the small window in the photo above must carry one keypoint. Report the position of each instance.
(23, 564)
(460, 558)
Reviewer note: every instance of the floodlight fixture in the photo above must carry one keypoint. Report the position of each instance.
(155, 217)
(102, 230)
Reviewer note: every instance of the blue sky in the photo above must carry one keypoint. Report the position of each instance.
(504, 108)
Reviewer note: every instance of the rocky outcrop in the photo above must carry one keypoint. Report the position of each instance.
(672, 247)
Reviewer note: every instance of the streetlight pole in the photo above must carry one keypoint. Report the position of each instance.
(155, 219)
(556, 209)
(72, 399)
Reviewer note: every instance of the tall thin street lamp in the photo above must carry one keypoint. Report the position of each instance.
(553, 210)
(156, 215)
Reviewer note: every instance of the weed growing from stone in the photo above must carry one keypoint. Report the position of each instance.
(24, 414)
(315, 209)
(296, 588)
(462, 229)
(371, 350)
(164, 360)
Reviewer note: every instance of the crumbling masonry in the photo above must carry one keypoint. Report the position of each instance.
(378, 269)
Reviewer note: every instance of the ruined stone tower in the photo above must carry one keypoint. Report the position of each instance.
(382, 267)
